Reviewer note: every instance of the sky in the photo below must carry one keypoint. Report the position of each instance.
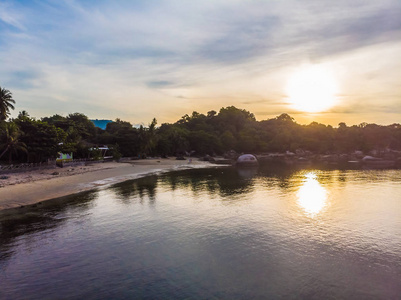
(136, 60)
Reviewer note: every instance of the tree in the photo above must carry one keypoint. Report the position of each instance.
(22, 114)
(10, 142)
(148, 138)
(285, 118)
(151, 137)
(6, 103)
(80, 132)
(211, 114)
(124, 134)
(82, 125)
(233, 119)
(172, 139)
(41, 138)
(203, 142)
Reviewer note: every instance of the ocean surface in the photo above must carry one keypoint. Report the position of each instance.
(222, 233)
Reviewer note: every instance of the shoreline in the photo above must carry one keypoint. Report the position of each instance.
(32, 187)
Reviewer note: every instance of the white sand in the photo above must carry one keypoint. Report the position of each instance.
(31, 187)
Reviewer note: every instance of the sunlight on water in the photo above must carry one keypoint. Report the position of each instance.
(312, 196)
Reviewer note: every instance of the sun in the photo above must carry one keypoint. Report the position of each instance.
(312, 89)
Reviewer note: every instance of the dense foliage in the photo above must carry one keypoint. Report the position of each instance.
(26, 139)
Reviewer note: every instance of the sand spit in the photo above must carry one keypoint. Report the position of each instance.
(21, 189)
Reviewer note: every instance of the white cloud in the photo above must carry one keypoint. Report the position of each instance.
(167, 58)
(10, 16)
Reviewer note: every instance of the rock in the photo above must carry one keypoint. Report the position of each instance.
(247, 160)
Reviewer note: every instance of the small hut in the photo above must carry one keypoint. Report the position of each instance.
(63, 158)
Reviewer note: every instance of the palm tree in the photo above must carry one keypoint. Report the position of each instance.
(6, 102)
(9, 140)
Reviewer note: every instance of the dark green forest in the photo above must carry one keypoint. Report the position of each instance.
(27, 139)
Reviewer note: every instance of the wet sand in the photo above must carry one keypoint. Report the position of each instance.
(21, 189)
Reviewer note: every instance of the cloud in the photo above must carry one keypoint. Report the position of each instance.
(128, 57)
(24, 78)
(160, 84)
(10, 16)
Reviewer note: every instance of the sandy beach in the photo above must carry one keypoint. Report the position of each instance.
(21, 189)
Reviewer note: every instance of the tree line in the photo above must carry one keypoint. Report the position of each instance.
(27, 139)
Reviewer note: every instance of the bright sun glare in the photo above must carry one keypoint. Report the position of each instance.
(312, 196)
(312, 89)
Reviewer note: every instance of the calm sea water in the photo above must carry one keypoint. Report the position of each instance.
(266, 233)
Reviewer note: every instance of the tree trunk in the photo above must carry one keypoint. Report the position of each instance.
(5, 150)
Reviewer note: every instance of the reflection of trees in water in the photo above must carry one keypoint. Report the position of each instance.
(36, 218)
(231, 180)
(342, 176)
(195, 179)
(225, 181)
(278, 174)
(138, 188)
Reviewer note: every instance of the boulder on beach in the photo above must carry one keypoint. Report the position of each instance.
(247, 160)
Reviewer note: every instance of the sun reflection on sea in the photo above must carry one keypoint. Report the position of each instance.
(312, 196)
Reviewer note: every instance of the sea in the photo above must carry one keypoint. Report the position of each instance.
(271, 232)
